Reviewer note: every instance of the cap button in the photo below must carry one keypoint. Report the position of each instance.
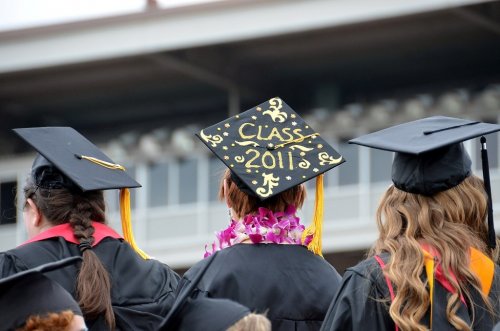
(270, 146)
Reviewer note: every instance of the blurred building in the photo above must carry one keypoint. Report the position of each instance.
(140, 84)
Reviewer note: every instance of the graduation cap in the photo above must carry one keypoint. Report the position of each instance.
(212, 314)
(202, 313)
(67, 159)
(430, 156)
(30, 293)
(269, 149)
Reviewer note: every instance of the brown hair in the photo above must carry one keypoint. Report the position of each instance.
(451, 222)
(244, 204)
(252, 322)
(52, 321)
(79, 209)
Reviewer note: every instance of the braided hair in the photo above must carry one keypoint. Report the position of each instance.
(79, 209)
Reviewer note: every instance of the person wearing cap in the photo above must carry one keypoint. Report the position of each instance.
(191, 313)
(29, 300)
(263, 258)
(434, 264)
(117, 286)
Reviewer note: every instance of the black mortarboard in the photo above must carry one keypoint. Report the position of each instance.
(74, 156)
(430, 156)
(269, 149)
(68, 159)
(214, 314)
(175, 313)
(30, 293)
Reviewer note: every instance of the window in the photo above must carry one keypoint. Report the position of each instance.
(158, 184)
(349, 172)
(188, 181)
(381, 165)
(492, 147)
(216, 170)
(133, 191)
(8, 202)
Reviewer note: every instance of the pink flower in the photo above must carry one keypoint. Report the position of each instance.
(262, 227)
(308, 240)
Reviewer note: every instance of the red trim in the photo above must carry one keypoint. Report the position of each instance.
(65, 231)
(387, 280)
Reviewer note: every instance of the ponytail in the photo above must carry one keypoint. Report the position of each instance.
(93, 285)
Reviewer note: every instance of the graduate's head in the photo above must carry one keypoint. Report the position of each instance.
(252, 322)
(217, 314)
(58, 205)
(430, 158)
(73, 166)
(32, 301)
(61, 321)
(194, 312)
(270, 151)
(244, 203)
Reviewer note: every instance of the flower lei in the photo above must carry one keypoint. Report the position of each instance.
(265, 227)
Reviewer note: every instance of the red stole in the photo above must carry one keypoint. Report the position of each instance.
(65, 231)
(480, 264)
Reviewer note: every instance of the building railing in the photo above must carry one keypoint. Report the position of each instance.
(177, 230)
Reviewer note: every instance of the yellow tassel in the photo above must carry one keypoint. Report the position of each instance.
(429, 269)
(316, 228)
(128, 234)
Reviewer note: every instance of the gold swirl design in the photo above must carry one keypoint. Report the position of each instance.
(298, 140)
(300, 147)
(239, 158)
(275, 104)
(324, 158)
(270, 181)
(304, 164)
(212, 140)
(247, 143)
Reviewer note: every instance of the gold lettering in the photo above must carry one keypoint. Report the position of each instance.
(298, 133)
(275, 133)
(242, 135)
(259, 133)
(286, 131)
(290, 161)
(280, 160)
(267, 155)
(249, 162)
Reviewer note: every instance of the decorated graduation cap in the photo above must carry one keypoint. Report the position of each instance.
(30, 293)
(430, 156)
(269, 149)
(68, 160)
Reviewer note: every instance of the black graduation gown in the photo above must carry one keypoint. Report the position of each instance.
(292, 284)
(363, 300)
(142, 291)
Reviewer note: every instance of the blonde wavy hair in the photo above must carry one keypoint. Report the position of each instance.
(451, 222)
(252, 322)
